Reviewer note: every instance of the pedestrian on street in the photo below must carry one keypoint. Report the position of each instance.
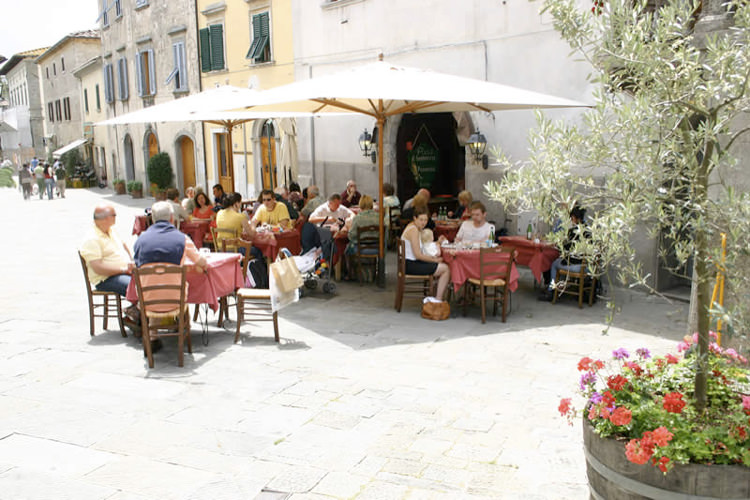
(24, 177)
(60, 176)
(49, 181)
(39, 176)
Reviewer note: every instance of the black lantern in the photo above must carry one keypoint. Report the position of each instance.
(365, 143)
(477, 144)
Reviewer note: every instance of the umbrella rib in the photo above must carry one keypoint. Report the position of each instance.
(414, 106)
(342, 105)
(481, 108)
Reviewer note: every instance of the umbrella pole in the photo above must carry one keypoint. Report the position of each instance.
(381, 249)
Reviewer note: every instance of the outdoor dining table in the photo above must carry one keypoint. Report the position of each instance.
(141, 223)
(196, 229)
(269, 243)
(464, 264)
(222, 277)
(534, 254)
(449, 229)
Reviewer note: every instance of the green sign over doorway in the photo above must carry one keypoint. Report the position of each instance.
(424, 161)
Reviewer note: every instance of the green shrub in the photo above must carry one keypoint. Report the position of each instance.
(160, 170)
(70, 160)
(6, 177)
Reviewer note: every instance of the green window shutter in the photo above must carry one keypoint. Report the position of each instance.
(205, 44)
(217, 46)
(256, 37)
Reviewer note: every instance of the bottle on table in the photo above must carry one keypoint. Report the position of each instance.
(528, 231)
(491, 240)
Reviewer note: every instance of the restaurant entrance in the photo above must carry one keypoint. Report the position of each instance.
(428, 155)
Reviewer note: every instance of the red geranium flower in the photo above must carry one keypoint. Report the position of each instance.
(661, 463)
(585, 364)
(564, 407)
(672, 359)
(616, 382)
(621, 416)
(637, 453)
(673, 402)
(661, 436)
(608, 399)
(634, 367)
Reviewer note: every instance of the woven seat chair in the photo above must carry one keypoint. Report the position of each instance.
(408, 285)
(367, 251)
(576, 283)
(111, 304)
(494, 276)
(162, 299)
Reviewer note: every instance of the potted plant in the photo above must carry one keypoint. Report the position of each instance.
(119, 185)
(135, 188)
(160, 174)
(639, 411)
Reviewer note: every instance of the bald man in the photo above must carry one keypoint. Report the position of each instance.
(109, 261)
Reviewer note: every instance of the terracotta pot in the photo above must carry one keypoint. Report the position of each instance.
(612, 476)
(120, 188)
(137, 193)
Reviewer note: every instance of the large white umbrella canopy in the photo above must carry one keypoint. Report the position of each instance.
(207, 106)
(382, 89)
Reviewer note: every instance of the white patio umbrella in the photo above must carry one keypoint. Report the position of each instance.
(381, 90)
(206, 106)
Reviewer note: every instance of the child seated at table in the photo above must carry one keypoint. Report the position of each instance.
(429, 246)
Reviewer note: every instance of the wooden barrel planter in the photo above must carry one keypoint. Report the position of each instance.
(612, 477)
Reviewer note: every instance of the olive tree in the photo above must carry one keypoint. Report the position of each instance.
(654, 153)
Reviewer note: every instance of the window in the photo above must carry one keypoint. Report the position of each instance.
(122, 79)
(141, 3)
(105, 14)
(47, 72)
(86, 100)
(51, 111)
(58, 110)
(54, 69)
(62, 64)
(98, 100)
(260, 49)
(109, 84)
(179, 73)
(145, 73)
(118, 8)
(212, 47)
(66, 108)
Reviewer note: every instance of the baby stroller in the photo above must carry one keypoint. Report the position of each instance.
(315, 267)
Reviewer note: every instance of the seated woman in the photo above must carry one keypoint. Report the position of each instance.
(417, 261)
(366, 217)
(188, 203)
(567, 261)
(204, 210)
(464, 201)
(419, 200)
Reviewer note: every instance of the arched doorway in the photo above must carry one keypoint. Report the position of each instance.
(186, 148)
(152, 145)
(268, 155)
(127, 147)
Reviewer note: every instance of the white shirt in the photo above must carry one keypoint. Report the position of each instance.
(325, 211)
(470, 233)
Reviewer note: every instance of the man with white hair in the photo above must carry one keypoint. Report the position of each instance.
(163, 242)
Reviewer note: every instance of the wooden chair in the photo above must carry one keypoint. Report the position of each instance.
(162, 299)
(254, 304)
(576, 283)
(113, 308)
(408, 285)
(368, 245)
(242, 247)
(220, 233)
(494, 275)
(394, 226)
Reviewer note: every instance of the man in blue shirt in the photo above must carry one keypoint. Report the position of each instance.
(163, 242)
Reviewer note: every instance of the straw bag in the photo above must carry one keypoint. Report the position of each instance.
(437, 311)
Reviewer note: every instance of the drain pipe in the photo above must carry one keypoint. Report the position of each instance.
(312, 140)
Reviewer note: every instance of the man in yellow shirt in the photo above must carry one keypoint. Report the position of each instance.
(271, 212)
(109, 261)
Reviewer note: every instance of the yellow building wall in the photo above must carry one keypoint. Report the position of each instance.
(236, 17)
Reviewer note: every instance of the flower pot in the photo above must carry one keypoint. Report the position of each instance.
(613, 477)
(120, 188)
(137, 193)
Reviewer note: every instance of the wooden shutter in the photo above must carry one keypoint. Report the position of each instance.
(205, 43)
(217, 46)
(256, 38)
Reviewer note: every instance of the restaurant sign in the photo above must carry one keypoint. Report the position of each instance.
(424, 159)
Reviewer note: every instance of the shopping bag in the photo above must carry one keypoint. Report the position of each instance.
(286, 274)
(437, 311)
(280, 299)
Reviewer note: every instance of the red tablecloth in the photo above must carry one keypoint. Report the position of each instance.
(536, 256)
(448, 230)
(196, 230)
(222, 277)
(465, 264)
(270, 245)
(141, 223)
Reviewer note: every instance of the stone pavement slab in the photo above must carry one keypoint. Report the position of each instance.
(357, 401)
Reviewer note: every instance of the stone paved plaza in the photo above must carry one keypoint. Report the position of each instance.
(357, 401)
